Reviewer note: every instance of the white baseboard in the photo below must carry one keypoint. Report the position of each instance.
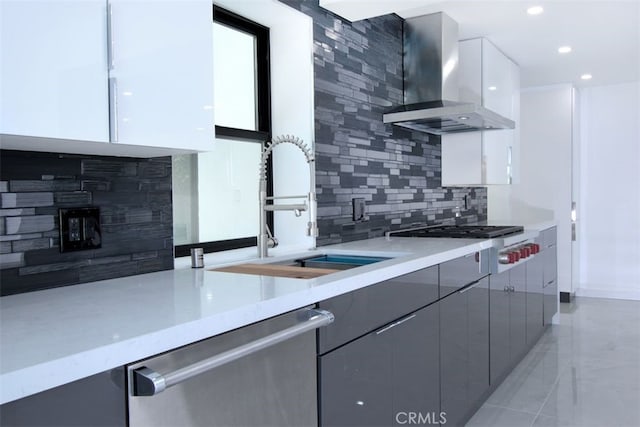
(630, 294)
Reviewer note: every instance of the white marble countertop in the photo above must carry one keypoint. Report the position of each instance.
(52, 337)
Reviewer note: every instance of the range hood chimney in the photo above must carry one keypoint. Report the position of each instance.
(430, 60)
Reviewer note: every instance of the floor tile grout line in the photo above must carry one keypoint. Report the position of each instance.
(510, 409)
(546, 399)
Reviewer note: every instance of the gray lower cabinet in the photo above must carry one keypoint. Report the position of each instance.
(378, 362)
(453, 358)
(369, 308)
(507, 322)
(355, 384)
(550, 274)
(98, 400)
(534, 283)
(382, 377)
(464, 351)
(499, 326)
(517, 313)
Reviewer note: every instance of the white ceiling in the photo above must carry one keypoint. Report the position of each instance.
(604, 35)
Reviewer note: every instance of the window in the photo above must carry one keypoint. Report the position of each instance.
(215, 194)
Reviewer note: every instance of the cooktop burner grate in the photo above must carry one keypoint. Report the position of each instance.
(460, 231)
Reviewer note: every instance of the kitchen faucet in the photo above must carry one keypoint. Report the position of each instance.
(265, 237)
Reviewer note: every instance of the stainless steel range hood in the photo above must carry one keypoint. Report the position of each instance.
(431, 82)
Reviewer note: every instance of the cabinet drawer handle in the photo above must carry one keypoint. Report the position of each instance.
(469, 287)
(148, 382)
(394, 324)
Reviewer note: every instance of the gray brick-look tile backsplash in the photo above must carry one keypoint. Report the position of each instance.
(134, 197)
(358, 77)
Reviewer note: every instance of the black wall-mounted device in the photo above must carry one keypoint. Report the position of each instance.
(79, 229)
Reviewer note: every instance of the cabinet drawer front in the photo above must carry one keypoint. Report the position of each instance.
(369, 308)
(461, 271)
(549, 237)
(550, 265)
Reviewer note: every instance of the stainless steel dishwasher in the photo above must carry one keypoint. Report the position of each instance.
(263, 374)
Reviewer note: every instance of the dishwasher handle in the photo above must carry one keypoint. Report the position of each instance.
(147, 382)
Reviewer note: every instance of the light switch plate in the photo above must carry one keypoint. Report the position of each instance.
(358, 209)
(79, 229)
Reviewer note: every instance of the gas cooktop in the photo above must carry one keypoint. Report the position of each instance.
(459, 231)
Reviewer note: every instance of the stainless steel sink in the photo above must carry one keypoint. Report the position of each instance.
(336, 262)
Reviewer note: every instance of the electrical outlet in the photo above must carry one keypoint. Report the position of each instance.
(79, 229)
(358, 209)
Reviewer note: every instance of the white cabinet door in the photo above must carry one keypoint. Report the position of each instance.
(497, 80)
(162, 72)
(462, 159)
(487, 76)
(53, 75)
(470, 71)
(497, 154)
(133, 72)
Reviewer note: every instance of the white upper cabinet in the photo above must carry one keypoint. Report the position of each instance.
(498, 80)
(490, 78)
(161, 71)
(126, 73)
(53, 75)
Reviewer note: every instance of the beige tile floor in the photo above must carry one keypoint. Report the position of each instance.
(584, 371)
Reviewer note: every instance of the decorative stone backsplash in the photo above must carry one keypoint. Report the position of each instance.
(358, 77)
(134, 197)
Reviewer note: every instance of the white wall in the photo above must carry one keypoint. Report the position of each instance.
(609, 209)
(545, 189)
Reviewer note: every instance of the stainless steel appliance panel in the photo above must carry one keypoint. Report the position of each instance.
(273, 386)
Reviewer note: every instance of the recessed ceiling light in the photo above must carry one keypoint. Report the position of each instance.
(492, 88)
(564, 49)
(586, 76)
(463, 118)
(535, 10)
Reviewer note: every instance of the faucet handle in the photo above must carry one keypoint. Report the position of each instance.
(272, 242)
